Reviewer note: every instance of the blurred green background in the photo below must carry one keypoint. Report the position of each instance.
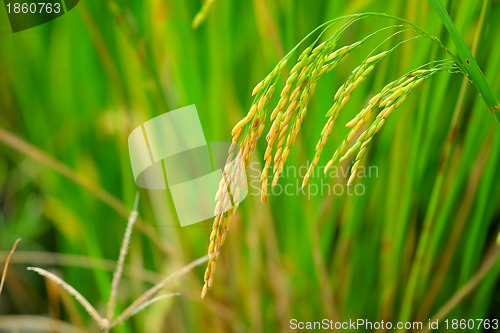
(74, 88)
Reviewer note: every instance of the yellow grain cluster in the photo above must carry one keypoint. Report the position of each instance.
(287, 117)
(389, 99)
(227, 195)
(342, 95)
(245, 136)
(292, 107)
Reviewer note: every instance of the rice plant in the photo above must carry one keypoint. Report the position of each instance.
(318, 58)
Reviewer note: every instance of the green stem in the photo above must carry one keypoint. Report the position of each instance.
(468, 62)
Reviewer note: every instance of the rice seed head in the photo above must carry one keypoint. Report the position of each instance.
(263, 194)
(351, 150)
(351, 178)
(262, 102)
(328, 166)
(275, 179)
(287, 117)
(394, 95)
(377, 57)
(285, 154)
(319, 47)
(353, 122)
(305, 180)
(265, 169)
(305, 53)
(239, 126)
(257, 88)
(277, 158)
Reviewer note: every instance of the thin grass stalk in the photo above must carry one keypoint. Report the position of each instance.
(121, 259)
(126, 20)
(400, 235)
(102, 322)
(152, 301)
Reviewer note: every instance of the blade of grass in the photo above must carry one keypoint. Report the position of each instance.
(469, 64)
(102, 322)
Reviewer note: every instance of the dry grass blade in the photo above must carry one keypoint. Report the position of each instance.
(102, 322)
(28, 323)
(6, 266)
(148, 295)
(121, 259)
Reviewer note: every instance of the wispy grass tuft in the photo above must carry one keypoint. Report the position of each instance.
(102, 322)
(106, 323)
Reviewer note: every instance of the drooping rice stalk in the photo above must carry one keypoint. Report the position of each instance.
(289, 112)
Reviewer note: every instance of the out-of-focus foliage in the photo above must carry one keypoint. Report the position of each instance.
(75, 88)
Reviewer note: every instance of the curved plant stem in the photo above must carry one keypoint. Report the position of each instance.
(468, 62)
(102, 322)
(121, 259)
